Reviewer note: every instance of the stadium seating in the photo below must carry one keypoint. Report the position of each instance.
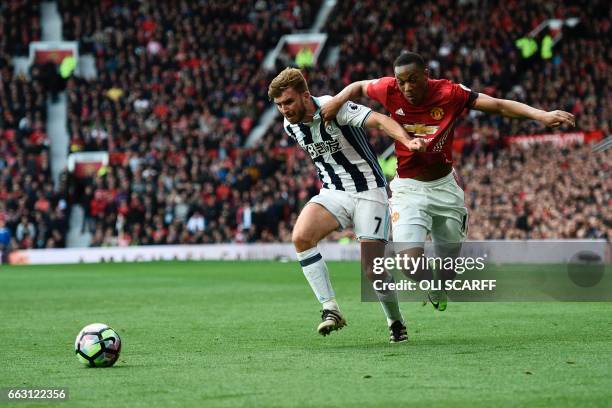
(33, 213)
(473, 43)
(173, 117)
(19, 25)
(539, 193)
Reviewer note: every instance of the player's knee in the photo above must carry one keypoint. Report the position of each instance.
(302, 241)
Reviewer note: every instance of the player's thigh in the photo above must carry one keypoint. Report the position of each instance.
(449, 217)
(314, 223)
(448, 234)
(409, 239)
(410, 216)
(411, 225)
(409, 242)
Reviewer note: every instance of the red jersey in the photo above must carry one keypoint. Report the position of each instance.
(434, 120)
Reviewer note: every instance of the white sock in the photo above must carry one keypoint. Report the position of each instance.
(331, 305)
(389, 303)
(316, 274)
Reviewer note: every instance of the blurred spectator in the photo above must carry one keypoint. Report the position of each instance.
(473, 43)
(30, 209)
(5, 237)
(19, 25)
(542, 192)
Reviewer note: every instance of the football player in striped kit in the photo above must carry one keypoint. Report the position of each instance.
(353, 194)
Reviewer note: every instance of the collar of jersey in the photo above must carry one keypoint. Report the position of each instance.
(317, 113)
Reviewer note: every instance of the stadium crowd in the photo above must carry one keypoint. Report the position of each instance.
(209, 190)
(179, 89)
(174, 68)
(19, 25)
(474, 43)
(32, 213)
(541, 192)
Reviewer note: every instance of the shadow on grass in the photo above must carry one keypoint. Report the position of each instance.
(429, 342)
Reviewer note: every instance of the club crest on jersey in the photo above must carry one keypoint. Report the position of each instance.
(436, 113)
(395, 216)
(420, 129)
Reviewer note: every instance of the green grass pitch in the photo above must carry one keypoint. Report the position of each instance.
(224, 334)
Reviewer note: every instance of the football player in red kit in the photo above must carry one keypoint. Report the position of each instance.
(426, 197)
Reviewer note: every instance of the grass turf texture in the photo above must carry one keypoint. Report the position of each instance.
(243, 334)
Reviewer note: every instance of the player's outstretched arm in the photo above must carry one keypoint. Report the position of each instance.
(350, 92)
(518, 110)
(395, 130)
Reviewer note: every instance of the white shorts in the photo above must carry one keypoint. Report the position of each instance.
(367, 211)
(421, 207)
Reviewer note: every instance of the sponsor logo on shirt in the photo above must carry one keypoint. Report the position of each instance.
(320, 148)
(420, 129)
(400, 112)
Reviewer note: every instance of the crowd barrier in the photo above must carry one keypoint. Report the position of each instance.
(501, 251)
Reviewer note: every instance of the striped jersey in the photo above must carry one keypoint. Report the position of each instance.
(340, 151)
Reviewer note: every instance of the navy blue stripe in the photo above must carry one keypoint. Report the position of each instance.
(324, 134)
(291, 132)
(363, 148)
(363, 141)
(307, 134)
(311, 260)
(325, 185)
(362, 138)
(361, 183)
(308, 139)
(364, 119)
(335, 179)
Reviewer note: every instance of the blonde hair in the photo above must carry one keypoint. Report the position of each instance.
(288, 78)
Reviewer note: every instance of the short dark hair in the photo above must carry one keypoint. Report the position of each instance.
(407, 57)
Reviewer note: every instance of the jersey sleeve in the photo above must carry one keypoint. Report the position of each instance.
(379, 89)
(463, 96)
(353, 114)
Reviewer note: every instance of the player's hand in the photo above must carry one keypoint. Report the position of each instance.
(416, 144)
(557, 118)
(330, 109)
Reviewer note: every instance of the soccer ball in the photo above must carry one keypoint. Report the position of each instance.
(97, 345)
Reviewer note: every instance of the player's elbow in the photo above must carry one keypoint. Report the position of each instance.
(361, 88)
